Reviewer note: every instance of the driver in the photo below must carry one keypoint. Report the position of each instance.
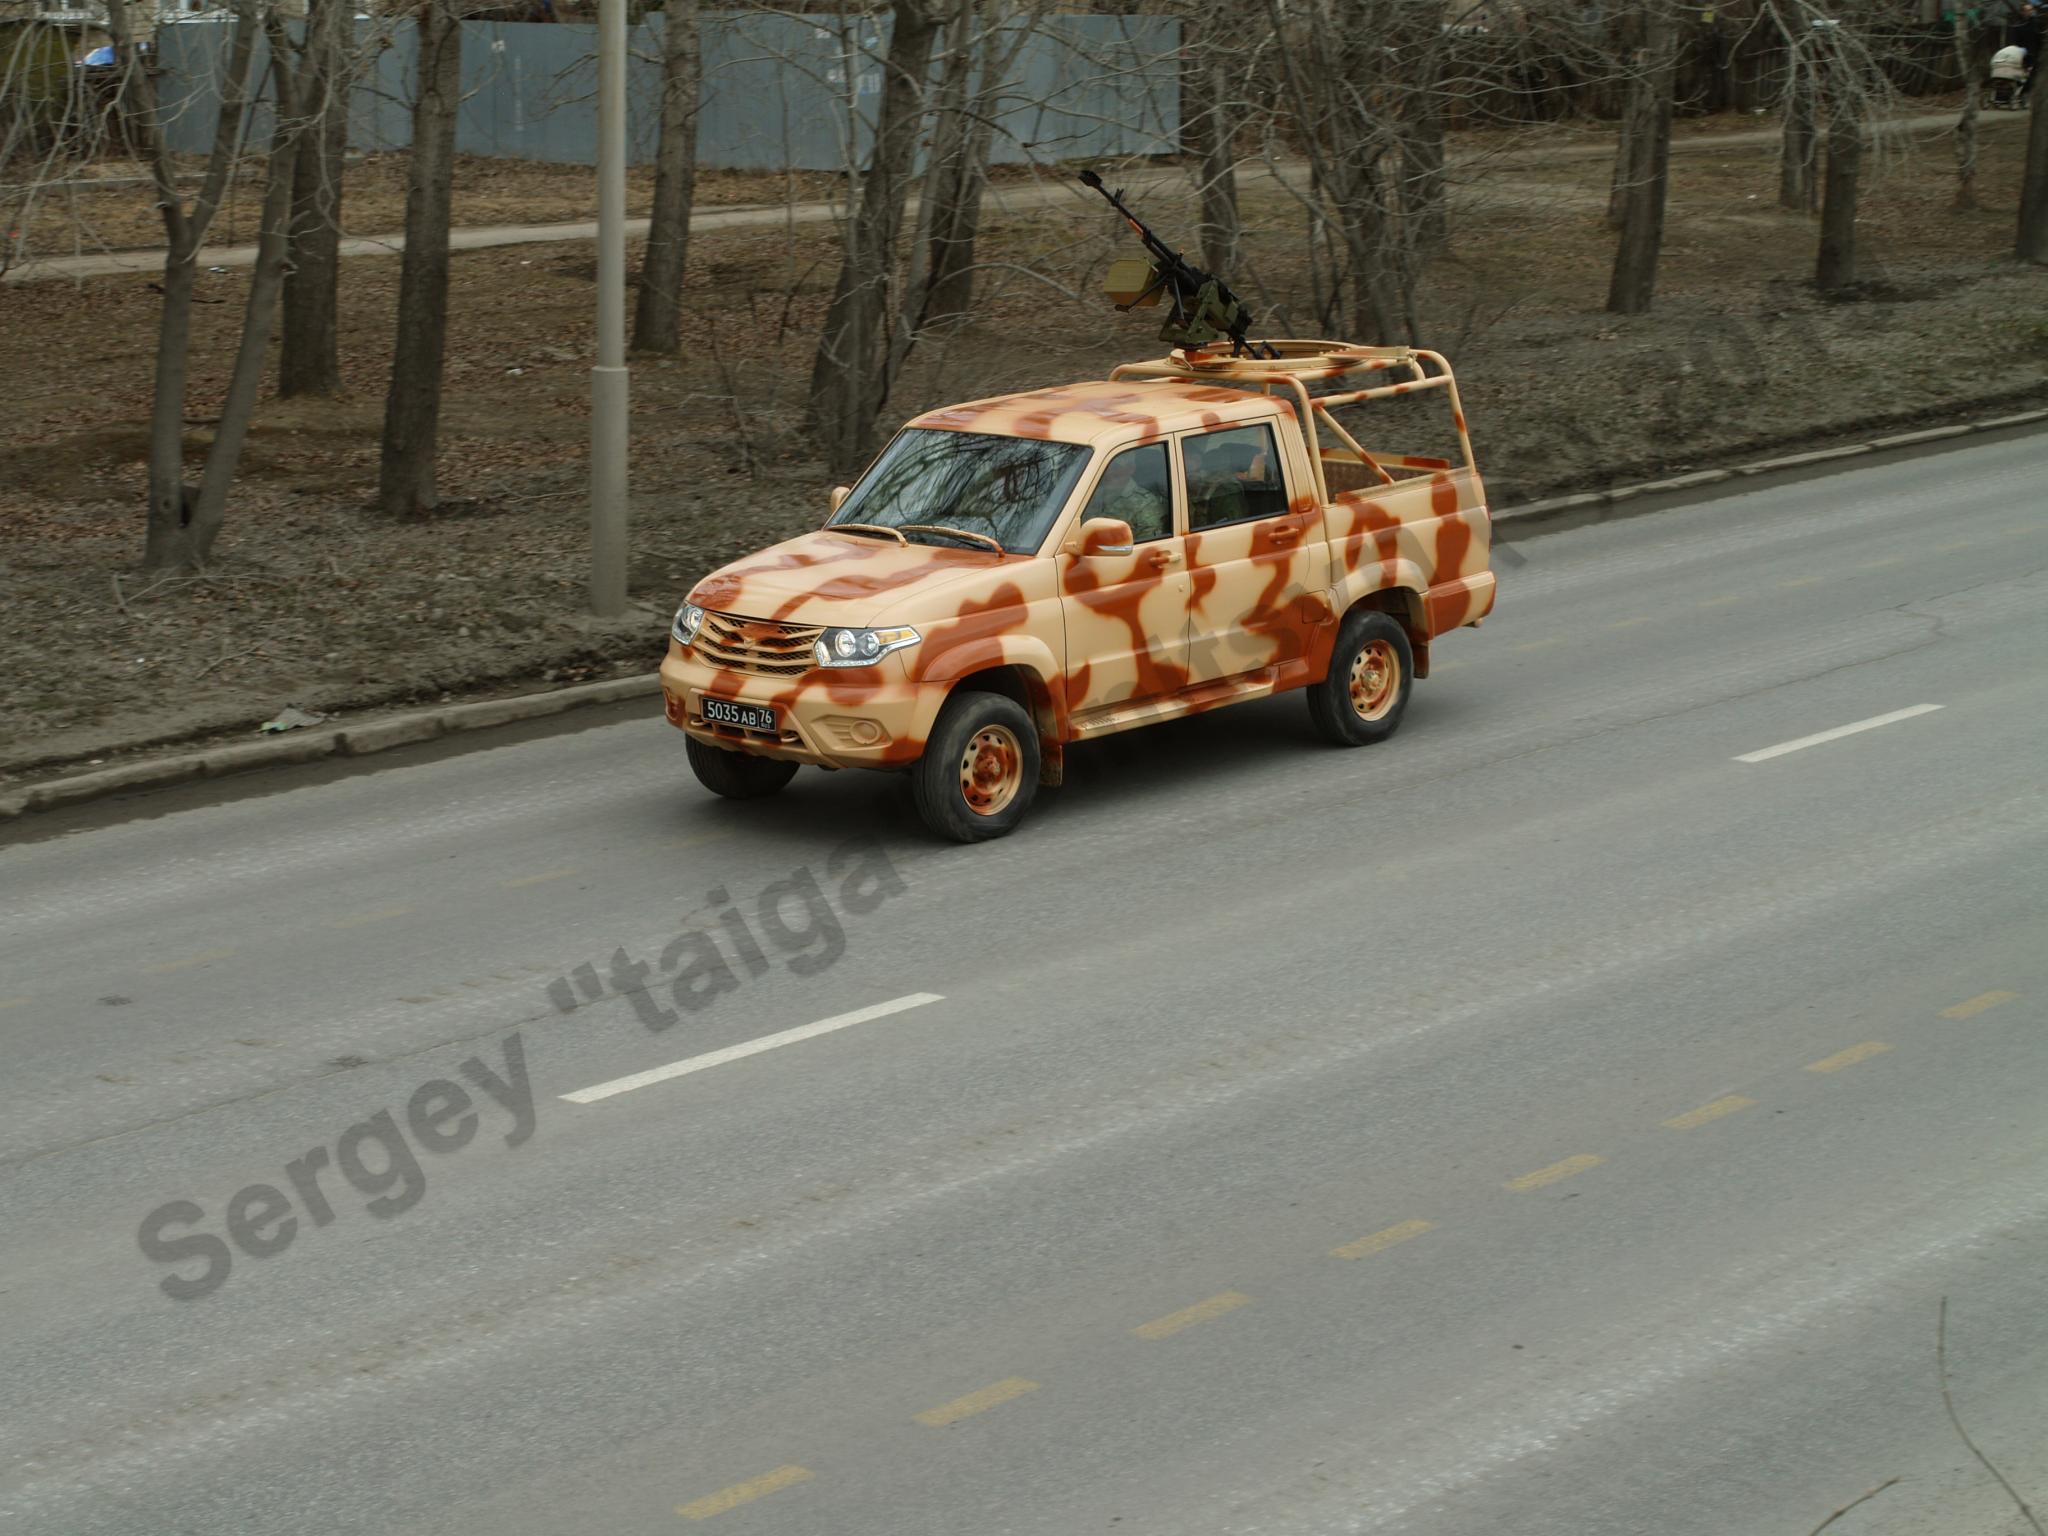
(1121, 495)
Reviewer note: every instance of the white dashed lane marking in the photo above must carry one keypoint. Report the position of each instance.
(749, 1048)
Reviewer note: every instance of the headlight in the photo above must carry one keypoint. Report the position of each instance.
(861, 647)
(689, 619)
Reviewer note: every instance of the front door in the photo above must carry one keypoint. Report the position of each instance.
(1253, 558)
(1127, 614)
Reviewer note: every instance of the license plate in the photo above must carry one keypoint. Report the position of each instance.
(748, 717)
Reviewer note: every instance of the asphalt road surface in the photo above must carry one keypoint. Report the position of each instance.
(1565, 1119)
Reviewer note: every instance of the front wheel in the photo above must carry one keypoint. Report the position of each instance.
(1362, 697)
(979, 771)
(737, 775)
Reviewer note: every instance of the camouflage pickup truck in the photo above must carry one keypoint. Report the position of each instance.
(1015, 575)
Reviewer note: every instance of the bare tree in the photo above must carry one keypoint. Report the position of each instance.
(1835, 268)
(309, 362)
(658, 311)
(1338, 79)
(1646, 152)
(1799, 155)
(2032, 244)
(848, 377)
(1210, 124)
(412, 406)
(1966, 125)
(184, 520)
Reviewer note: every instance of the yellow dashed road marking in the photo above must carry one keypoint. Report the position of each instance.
(1965, 1010)
(1556, 1172)
(1878, 565)
(1850, 1057)
(188, 962)
(698, 840)
(12, 1002)
(1537, 645)
(553, 874)
(359, 919)
(1187, 1317)
(1379, 1241)
(1641, 618)
(1803, 581)
(1719, 602)
(1949, 549)
(976, 1402)
(742, 1493)
(1692, 1119)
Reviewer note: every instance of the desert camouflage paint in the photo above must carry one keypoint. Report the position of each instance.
(1096, 643)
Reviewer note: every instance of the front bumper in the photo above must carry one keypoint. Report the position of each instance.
(852, 717)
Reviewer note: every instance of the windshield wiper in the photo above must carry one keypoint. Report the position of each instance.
(866, 528)
(956, 533)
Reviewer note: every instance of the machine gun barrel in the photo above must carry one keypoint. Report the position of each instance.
(1203, 305)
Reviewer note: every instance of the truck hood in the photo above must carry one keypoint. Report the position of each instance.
(840, 578)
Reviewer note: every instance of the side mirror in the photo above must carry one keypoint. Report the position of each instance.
(839, 495)
(1106, 536)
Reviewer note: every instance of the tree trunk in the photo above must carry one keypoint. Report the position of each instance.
(245, 380)
(1966, 125)
(2033, 233)
(1424, 209)
(1797, 157)
(168, 542)
(412, 407)
(848, 380)
(1836, 268)
(309, 362)
(1208, 129)
(658, 312)
(1649, 131)
(946, 178)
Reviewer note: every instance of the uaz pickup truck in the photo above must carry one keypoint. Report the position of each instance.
(1015, 575)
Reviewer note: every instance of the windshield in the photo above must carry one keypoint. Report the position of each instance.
(1007, 488)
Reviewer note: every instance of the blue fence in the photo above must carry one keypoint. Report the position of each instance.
(780, 91)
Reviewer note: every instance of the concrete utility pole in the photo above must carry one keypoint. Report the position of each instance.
(608, 380)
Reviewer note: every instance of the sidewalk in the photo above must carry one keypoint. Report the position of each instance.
(1007, 198)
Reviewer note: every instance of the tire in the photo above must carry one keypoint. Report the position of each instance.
(979, 772)
(737, 775)
(1372, 668)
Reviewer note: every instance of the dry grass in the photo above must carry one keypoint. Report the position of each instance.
(320, 602)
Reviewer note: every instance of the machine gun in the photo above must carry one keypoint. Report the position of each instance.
(1203, 309)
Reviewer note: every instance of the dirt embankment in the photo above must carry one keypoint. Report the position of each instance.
(319, 602)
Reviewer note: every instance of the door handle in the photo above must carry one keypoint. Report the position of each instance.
(1284, 535)
(1162, 558)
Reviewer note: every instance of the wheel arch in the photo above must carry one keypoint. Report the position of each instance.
(1406, 607)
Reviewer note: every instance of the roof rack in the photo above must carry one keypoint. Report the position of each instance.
(1297, 359)
(1300, 367)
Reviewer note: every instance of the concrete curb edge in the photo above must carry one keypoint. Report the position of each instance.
(1591, 506)
(345, 741)
(424, 725)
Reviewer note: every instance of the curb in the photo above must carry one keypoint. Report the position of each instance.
(346, 741)
(425, 725)
(1593, 506)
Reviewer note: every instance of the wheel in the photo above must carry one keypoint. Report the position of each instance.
(737, 775)
(979, 771)
(1362, 697)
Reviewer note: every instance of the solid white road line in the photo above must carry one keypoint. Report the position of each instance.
(1837, 733)
(749, 1048)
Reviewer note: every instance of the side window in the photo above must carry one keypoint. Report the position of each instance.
(1137, 487)
(1234, 476)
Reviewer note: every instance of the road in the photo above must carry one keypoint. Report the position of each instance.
(1548, 1121)
(1006, 197)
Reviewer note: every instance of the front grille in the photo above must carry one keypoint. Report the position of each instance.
(762, 646)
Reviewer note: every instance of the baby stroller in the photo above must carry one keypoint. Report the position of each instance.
(2009, 78)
